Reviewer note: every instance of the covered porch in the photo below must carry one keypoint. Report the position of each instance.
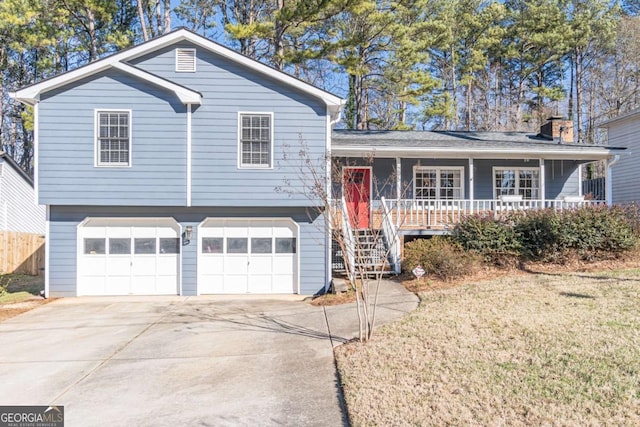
(434, 194)
(397, 183)
(421, 181)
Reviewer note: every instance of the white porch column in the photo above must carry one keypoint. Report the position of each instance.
(398, 190)
(580, 180)
(608, 184)
(542, 182)
(609, 180)
(471, 185)
(398, 178)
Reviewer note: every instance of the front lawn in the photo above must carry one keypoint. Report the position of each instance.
(537, 349)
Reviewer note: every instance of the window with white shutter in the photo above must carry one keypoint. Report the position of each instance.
(186, 60)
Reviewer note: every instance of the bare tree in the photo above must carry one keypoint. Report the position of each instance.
(366, 260)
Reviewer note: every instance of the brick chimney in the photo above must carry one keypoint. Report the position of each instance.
(558, 129)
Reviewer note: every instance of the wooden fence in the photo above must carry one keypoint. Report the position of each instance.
(21, 253)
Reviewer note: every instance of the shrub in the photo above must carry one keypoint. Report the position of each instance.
(494, 240)
(632, 217)
(598, 232)
(540, 234)
(440, 257)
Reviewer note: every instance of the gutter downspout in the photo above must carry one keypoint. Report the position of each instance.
(189, 154)
(609, 178)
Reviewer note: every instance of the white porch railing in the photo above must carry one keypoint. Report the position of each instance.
(390, 233)
(442, 213)
(349, 242)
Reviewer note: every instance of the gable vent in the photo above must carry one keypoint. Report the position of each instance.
(186, 60)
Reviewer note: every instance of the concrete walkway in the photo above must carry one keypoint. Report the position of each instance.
(167, 361)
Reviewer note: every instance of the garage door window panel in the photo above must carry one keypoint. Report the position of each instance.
(237, 245)
(169, 245)
(261, 245)
(143, 246)
(285, 245)
(119, 246)
(212, 245)
(93, 246)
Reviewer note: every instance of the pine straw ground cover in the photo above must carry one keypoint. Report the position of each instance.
(537, 349)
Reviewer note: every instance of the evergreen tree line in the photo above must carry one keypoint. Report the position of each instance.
(405, 64)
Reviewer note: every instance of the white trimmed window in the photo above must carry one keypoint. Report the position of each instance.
(441, 183)
(256, 140)
(186, 60)
(517, 181)
(113, 138)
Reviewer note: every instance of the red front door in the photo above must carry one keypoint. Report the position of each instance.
(357, 195)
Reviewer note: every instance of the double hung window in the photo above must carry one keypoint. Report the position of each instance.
(444, 183)
(256, 140)
(517, 181)
(113, 138)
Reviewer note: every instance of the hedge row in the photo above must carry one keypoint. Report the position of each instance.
(598, 232)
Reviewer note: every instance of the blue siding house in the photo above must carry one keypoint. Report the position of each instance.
(160, 166)
(172, 168)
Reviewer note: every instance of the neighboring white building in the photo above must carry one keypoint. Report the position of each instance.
(623, 180)
(18, 208)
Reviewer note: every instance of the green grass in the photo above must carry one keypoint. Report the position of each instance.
(531, 350)
(19, 287)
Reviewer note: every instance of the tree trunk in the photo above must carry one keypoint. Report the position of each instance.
(278, 39)
(167, 17)
(454, 92)
(143, 24)
(358, 104)
(571, 87)
(578, 55)
(468, 107)
(158, 15)
(93, 43)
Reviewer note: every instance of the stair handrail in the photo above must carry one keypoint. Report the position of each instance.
(349, 243)
(390, 233)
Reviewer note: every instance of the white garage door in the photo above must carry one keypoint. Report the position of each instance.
(247, 256)
(128, 257)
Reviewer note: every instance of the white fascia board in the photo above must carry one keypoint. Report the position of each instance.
(31, 94)
(186, 96)
(445, 152)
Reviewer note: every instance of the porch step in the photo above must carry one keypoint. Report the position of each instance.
(370, 250)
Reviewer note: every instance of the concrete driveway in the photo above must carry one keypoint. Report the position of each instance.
(167, 361)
